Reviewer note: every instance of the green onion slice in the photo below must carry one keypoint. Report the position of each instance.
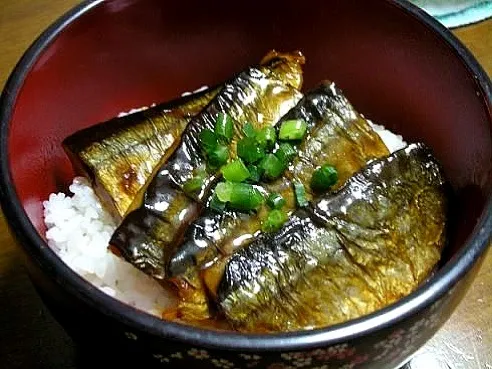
(275, 201)
(323, 178)
(300, 192)
(245, 197)
(249, 150)
(272, 167)
(285, 153)
(293, 129)
(267, 137)
(208, 140)
(274, 221)
(235, 171)
(216, 204)
(217, 156)
(224, 127)
(223, 191)
(239, 196)
(194, 184)
(254, 174)
(249, 130)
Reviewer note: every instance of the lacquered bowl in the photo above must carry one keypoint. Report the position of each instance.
(397, 65)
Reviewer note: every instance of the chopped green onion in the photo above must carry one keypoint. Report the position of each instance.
(193, 184)
(223, 191)
(300, 192)
(235, 171)
(274, 221)
(254, 174)
(267, 137)
(245, 197)
(249, 130)
(275, 201)
(271, 166)
(249, 150)
(285, 153)
(239, 196)
(208, 140)
(293, 129)
(323, 178)
(218, 156)
(216, 204)
(224, 127)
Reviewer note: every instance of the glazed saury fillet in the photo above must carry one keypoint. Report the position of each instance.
(347, 255)
(259, 95)
(120, 155)
(336, 134)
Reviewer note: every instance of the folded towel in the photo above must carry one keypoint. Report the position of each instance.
(455, 13)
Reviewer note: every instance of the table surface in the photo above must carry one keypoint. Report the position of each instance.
(30, 337)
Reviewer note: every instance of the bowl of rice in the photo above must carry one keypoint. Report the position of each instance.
(407, 74)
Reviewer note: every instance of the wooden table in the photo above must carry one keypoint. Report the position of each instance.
(30, 338)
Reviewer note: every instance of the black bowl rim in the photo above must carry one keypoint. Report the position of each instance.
(136, 320)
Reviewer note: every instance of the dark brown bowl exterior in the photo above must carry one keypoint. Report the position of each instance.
(386, 347)
(399, 67)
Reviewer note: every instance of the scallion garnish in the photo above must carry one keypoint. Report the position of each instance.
(217, 156)
(223, 191)
(254, 174)
(275, 201)
(249, 150)
(271, 166)
(239, 196)
(235, 171)
(274, 221)
(208, 140)
(292, 129)
(193, 184)
(267, 137)
(285, 153)
(245, 197)
(216, 204)
(256, 159)
(249, 130)
(224, 127)
(300, 192)
(323, 178)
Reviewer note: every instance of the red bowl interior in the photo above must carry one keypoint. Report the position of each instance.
(395, 69)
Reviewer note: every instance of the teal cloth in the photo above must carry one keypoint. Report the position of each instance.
(453, 14)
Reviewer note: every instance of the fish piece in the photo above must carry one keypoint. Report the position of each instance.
(260, 95)
(337, 135)
(211, 230)
(343, 139)
(374, 241)
(121, 154)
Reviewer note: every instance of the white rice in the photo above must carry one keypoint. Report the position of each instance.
(392, 141)
(79, 229)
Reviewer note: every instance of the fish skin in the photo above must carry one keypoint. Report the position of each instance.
(346, 142)
(120, 155)
(371, 243)
(260, 95)
(337, 134)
